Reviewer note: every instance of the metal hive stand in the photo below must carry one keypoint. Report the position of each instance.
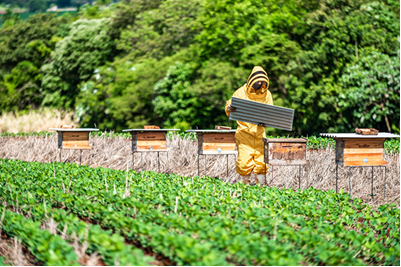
(149, 148)
(63, 140)
(220, 152)
(363, 160)
(286, 152)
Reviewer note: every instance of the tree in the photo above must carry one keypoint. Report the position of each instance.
(19, 89)
(30, 40)
(371, 92)
(331, 36)
(23, 49)
(120, 94)
(162, 31)
(87, 46)
(185, 101)
(37, 5)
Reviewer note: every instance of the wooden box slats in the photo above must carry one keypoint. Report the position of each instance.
(360, 152)
(73, 140)
(151, 136)
(149, 141)
(216, 143)
(285, 151)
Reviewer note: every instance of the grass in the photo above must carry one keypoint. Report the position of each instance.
(34, 121)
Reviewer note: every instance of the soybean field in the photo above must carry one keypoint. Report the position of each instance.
(66, 213)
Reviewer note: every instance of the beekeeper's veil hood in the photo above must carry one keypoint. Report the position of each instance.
(258, 74)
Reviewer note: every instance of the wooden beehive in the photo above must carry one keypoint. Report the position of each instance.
(360, 152)
(285, 151)
(216, 143)
(149, 141)
(69, 138)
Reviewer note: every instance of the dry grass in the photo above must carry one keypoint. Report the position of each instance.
(35, 120)
(80, 249)
(115, 153)
(15, 253)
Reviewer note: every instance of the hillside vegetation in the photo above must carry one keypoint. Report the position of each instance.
(174, 63)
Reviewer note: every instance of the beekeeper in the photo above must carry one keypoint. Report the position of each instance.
(249, 137)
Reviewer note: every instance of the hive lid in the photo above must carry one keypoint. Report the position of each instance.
(210, 131)
(149, 130)
(358, 136)
(74, 130)
(255, 112)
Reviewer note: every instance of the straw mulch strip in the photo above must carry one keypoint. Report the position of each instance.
(115, 153)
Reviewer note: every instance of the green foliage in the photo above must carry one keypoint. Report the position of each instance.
(87, 46)
(23, 49)
(119, 95)
(19, 88)
(325, 59)
(331, 36)
(174, 101)
(372, 89)
(173, 216)
(161, 30)
(49, 249)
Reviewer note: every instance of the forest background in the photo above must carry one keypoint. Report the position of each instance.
(174, 63)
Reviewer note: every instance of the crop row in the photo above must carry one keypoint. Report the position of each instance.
(49, 249)
(111, 247)
(199, 221)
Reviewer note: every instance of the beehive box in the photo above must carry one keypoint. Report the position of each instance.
(147, 140)
(73, 138)
(360, 152)
(285, 151)
(216, 142)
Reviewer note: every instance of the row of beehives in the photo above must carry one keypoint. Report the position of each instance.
(351, 149)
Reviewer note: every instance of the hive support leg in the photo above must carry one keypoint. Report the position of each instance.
(272, 175)
(133, 161)
(227, 166)
(307, 175)
(299, 176)
(158, 160)
(167, 163)
(336, 178)
(349, 178)
(265, 175)
(371, 193)
(60, 156)
(205, 166)
(141, 162)
(385, 177)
